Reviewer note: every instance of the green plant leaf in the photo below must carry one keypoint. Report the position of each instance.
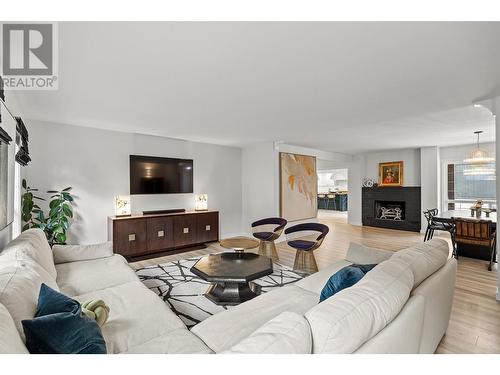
(67, 211)
(52, 192)
(42, 199)
(54, 203)
(68, 197)
(61, 238)
(24, 183)
(68, 188)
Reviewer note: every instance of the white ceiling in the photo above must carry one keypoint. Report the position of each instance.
(336, 86)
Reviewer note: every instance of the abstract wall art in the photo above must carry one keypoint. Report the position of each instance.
(298, 186)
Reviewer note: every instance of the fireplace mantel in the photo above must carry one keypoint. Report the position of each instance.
(407, 196)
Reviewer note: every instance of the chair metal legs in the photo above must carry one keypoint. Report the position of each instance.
(427, 233)
(305, 262)
(493, 254)
(268, 249)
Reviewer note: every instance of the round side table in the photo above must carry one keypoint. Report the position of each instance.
(239, 244)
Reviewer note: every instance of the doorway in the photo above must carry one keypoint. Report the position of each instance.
(333, 200)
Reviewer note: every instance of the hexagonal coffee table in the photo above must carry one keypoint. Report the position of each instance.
(231, 275)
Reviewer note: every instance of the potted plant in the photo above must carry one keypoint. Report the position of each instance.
(56, 223)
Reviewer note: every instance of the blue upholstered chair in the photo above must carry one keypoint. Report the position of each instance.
(304, 258)
(267, 231)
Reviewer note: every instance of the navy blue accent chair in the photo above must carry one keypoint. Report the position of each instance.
(267, 231)
(304, 259)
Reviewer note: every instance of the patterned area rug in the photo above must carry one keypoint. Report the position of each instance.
(183, 291)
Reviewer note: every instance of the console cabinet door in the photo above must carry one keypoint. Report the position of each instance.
(160, 233)
(184, 230)
(207, 227)
(129, 237)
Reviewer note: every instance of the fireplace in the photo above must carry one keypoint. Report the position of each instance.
(392, 207)
(389, 210)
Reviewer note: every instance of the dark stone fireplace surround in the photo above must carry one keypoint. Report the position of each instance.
(407, 198)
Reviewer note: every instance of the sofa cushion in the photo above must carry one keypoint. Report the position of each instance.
(288, 333)
(85, 276)
(344, 322)
(360, 254)
(10, 340)
(425, 258)
(32, 245)
(20, 283)
(344, 278)
(137, 315)
(180, 341)
(223, 330)
(59, 327)
(75, 253)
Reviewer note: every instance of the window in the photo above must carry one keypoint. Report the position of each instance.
(464, 189)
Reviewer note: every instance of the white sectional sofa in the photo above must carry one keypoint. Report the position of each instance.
(402, 306)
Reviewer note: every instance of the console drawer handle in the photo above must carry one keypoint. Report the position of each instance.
(207, 227)
(131, 237)
(161, 233)
(186, 230)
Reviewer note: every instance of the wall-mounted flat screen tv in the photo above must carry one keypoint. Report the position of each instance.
(155, 175)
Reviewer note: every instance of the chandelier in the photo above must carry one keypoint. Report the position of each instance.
(479, 161)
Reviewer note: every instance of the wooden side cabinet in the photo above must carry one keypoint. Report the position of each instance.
(131, 237)
(207, 227)
(140, 235)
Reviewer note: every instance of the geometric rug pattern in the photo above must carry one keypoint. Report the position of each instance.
(183, 291)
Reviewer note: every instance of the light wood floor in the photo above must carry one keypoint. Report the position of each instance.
(475, 318)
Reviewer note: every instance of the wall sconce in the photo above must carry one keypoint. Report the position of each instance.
(201, 202)
(122, 205)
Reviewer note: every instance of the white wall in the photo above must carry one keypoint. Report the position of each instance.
(495, 107)
(430, 191)
(96, 164)
(411, 164)
(356, 175)
(258, 183)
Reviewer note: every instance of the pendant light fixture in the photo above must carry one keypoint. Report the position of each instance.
(479, 161)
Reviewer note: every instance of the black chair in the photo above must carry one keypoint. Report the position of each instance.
(304, 258)
(439, 223)
(267, 231)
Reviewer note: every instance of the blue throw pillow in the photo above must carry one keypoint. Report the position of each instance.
(59, 327)
(344, 278)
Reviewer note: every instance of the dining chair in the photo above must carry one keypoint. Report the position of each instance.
(267, 231)
(477, 232)
(304, 257)
(444, 224)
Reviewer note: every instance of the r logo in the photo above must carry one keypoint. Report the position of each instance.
(27, 49)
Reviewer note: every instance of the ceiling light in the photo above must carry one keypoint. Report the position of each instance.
(478, 160)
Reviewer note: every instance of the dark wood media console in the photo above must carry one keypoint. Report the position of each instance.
(140, 235)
